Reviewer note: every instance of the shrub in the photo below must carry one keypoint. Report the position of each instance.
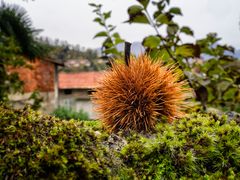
(68, 113)
(197, 146)
(136, 96)
(34, 146)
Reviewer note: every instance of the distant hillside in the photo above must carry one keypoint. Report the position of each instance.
(237, 53)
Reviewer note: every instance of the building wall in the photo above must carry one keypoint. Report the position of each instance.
(40, 76)
(19, 100)
(78, 99)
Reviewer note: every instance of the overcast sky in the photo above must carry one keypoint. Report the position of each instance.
(71, 20)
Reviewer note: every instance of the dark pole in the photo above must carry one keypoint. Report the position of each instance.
(127, 51)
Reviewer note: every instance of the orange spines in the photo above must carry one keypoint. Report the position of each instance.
(137, 96)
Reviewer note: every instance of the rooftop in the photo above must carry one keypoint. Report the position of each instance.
(81, 80)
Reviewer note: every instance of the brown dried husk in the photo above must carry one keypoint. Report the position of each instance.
(137, 96)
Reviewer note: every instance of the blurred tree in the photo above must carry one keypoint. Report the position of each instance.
(14, 22)
(17, 43)
(65, 51)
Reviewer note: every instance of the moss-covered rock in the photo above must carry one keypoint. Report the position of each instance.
(197, 146)
(36, 146)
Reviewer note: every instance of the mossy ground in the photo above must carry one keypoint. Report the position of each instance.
(198, 146)
(37, 146)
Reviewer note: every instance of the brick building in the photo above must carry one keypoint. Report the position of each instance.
(41, 76)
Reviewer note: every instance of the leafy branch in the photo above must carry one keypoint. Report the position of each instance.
(215, 80)
(112, 39)
(140, 14)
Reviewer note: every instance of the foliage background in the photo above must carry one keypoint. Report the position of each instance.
(210, 68)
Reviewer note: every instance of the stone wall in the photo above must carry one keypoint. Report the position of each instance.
(19, 100)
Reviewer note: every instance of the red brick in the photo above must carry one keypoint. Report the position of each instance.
(40, 77)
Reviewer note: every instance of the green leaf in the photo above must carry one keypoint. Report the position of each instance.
(92, 4)
(111, 27)
(140, 18)
(164, 18)
(108, 43)
(223, 85)
(153, 53)
(175, 10)
(206, 66)
(116, 35)
(228, 79)
(111, 51)
(186, 30)
(117, 38)
(136, 15)
(160, 6)
(230, 94)
(172, 29)
(215, 72)
(95, 5)
(188, 50)
(151, 42)
(101, 34)
(144, 3)
(98, 20)
(164, 55)
(211, 93)
(107, 15)
(135, 9)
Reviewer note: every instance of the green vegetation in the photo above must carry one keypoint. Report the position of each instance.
(17, 44)
(214, 78)
(36, 146)
(198, 146)
(64, 51)
(9, 56)
(204, 146)
(37, 100)
(68, 113)
(111, 38)
(68, 146)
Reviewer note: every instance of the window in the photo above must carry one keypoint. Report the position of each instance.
(67, 91)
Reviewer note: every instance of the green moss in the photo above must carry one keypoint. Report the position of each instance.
(198, 146)
(96, 125)
(36, 146)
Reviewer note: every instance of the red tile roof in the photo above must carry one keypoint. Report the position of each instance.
(81, 80)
